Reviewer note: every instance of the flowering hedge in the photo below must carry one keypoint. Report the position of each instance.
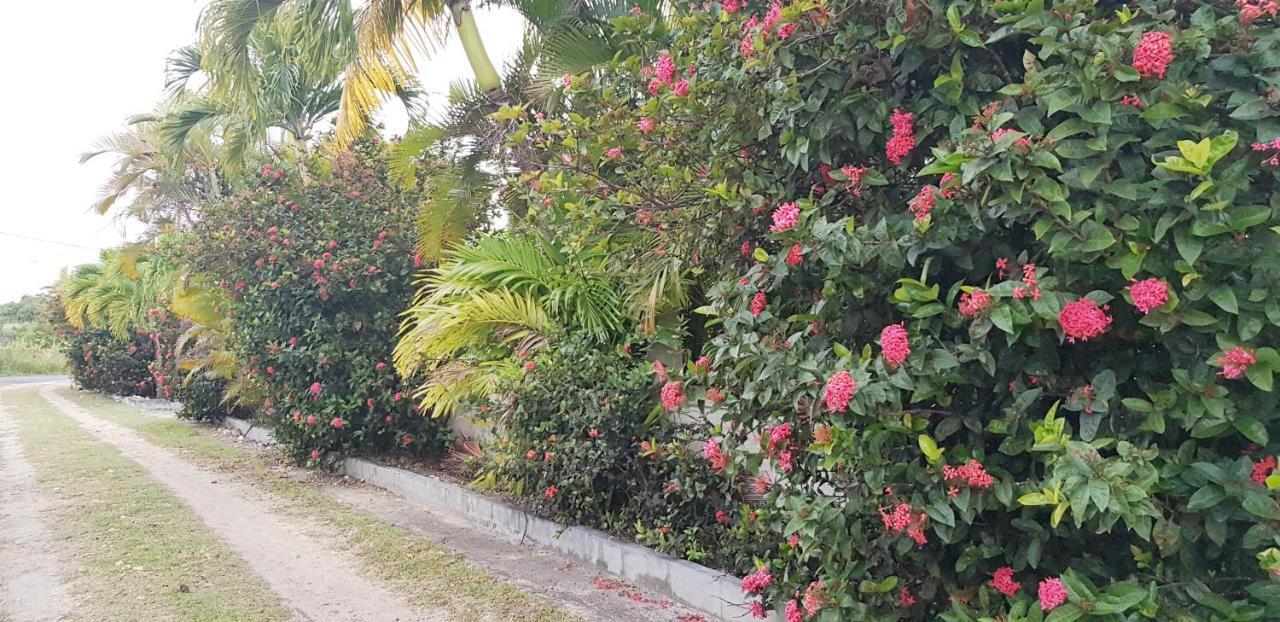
(318, 261)
(996, 290)
(101, 361)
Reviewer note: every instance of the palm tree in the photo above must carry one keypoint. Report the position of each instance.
(377, 45)
(118, 292)
(152, 182)
(500, 295)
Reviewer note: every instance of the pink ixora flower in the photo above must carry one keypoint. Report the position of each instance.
(1263, 469)
(758, 581)
(315, 389)
(731, 6)
(1149, 294)
(905, 599)
(311, 419)
(1083, 319)
(757, 610)
(1153, 54)
(614, 153)
(758, 303)
(903, 139)
(681, 88)
(923, 203)
(785, 217)
(1002, 581)
(839, 391)
(894, 344)
(1251, 10)
(672, 395)
(645, 125)
(815, 597)
(1052, 594)
(550, 492)
(904, 519)
(793, 612)
(974, 303)
(971, 473)
(1235, 361)
(530, 366)
(664, 69)
(795, 255)
(714, 455)
(315, 454)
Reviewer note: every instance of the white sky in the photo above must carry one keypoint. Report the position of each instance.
(67, 86)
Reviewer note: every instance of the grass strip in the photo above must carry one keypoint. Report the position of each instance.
(427, 574)
(141, 553)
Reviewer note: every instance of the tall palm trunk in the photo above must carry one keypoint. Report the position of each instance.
(464, 19)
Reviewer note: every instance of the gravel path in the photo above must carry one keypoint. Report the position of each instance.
(32, 584)
(312, 575)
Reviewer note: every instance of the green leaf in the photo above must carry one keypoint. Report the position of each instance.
(1206, 497)
(1252, 110)
(1261, 377)
(930, 449)
(760, 255)
(1195, 153)
(1262, 505)
(1225, 297)
(1100, 239)
(942, 512)
(1251, 428)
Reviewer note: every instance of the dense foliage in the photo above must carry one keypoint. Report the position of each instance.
(101, 361)
(317, 262)
(583, 437)
(997, 337)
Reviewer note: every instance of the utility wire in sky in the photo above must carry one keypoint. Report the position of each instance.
(27, 237)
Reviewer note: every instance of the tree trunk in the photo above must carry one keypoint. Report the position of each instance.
(465, 21)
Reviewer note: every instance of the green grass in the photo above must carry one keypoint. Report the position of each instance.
(428, 574)
(22, 360)
(133, 542)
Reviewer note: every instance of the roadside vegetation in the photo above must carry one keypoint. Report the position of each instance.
(28, 346)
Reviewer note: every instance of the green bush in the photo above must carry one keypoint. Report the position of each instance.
(204, 399)
(585, 440)
(1046, 260)
(318, 262)
(100, 361)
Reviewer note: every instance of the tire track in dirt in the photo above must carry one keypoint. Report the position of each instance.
(313, 577)
(32, 586)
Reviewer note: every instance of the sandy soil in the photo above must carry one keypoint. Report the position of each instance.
(312, 575)
(32, 577)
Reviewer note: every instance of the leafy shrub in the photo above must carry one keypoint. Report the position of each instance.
(584, 438)
(100, 361)
(318, 262)
(999, 334)
(203, 399)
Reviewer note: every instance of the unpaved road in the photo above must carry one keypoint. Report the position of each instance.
(32, 586)
(312, 571)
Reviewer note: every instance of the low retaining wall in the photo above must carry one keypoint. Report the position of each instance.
(715, 593)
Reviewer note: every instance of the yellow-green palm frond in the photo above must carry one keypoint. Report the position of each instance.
(455, 382)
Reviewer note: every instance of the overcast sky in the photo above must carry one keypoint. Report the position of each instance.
(73, 77)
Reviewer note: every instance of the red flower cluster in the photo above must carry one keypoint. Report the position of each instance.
(903, 139)
(839, 390)
(1002, 581)
(1149, 294)
(971, 473)
(758, 303)
(974, 303)
(894, 343)
(905, 520)
(1030, 284)
(854, 173)
(758, 581)
(1263, 469)
(795, 255)
(1052, 594)
(905, 599)
(1083, 320)
(1153, 54)
(785, 217)
(1235, 361)
(716, 456)
(672, 395)
(923, 203)
(1251, 10)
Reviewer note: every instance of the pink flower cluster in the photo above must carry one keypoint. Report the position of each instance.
(923, 203)
(1030, 284)
(1132, 100)
(974, 303)
(1273, 147)
(1052, 594)
(905, 598)
(947, 187)
(795, 255)
(793, 612)
(854, 183)
(971, 473)
(815, 598)
(757, 582)
(839, 390)
(1002, 581)
(778, 436)
(1251, 10)
(758, 303)
(1153, 54)
(785, 217)
(1149, 294)
(754, 26)
(1083, 319)
(716, 456)
(903, 139)
(672, 395)
(645, 125)
(1235, 361)
(894, 344)
(905, 520)
(1263, 469)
